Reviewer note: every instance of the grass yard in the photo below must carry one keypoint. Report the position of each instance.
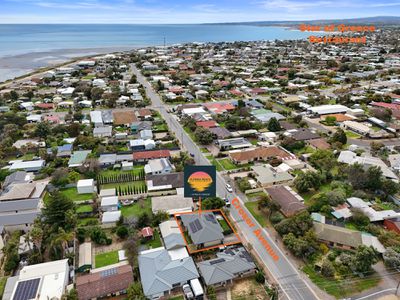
(3, 281)
(137, 209)
(81, 209)
(180, 297)
(215, 163)
(204, 150)
(257, 214)
(224, 225)
(160, 127)
(256, 195)
(137, 170)
(82, 222)
(227, 164)
(340, 288)
(156, 242)
(72, 193)
(139, 185)
(352, 135)
(106, 259)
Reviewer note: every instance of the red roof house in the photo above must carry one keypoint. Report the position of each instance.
(147, 232)
(145, 155)
(207, 124)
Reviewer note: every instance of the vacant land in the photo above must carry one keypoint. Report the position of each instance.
(137, 209)
(248, 288)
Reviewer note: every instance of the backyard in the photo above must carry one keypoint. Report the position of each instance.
(137, 209)
(105, 259)
(155, 242)
(72, 193)
(82, 222)
(257, 214)
(127, 188)
(82, 209)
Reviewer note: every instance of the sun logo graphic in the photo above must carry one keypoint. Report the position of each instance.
(200, 181)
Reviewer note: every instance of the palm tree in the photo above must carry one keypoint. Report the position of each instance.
(37, 238)
(60, 241)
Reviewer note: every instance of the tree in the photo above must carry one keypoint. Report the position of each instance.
(203, 136)
(159, 217)
(339, 136)
(364, 258)
(305, 181)
(135, 291)
(373, 178)
(43, 130)
(55, 211)
(323, 160)
(211, 294)
(391, 258)
(244, 184)
(298, 224)
(330, 121)
(72, 295)
(98, 236)
(273, 125)
(122, 232)
(291, 144)
(212, 203)
(260, 278)
(336, 196)
(143, 220)
(37, 238)
(327, 268)
(60, 177)
(130, 247)
(359, 218)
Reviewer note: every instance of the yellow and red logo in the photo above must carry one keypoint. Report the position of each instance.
(200, 181)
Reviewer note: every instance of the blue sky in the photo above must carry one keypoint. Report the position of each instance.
(188, 11)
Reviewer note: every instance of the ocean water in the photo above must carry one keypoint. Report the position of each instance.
(21, 39)
(24, 48)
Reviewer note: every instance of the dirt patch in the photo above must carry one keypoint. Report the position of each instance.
(248, 288)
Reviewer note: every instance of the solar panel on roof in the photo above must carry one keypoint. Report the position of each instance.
(192, 227)
(109, 272)
(26, 290)
(198, 225)
(217, 261)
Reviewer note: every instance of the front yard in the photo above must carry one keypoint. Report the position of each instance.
(227, 164)
(257, 214)
(248, 288)
(106, 259)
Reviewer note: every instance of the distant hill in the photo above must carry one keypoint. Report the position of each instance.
(379, 20)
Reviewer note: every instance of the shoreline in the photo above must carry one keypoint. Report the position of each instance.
(22, 65)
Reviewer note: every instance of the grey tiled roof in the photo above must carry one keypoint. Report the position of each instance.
(159, 273)
(209, 231)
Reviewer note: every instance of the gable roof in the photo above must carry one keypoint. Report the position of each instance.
(123, 117)
(16, 177)
(226, 266)
(262, 152)
(158, 272)
(174, 180)
(303, 134)
(151, 154)
(209, 230)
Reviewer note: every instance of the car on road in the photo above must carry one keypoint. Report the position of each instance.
(227, 202)
(191, 154)
(229, 188)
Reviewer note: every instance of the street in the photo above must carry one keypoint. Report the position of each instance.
(284, 272)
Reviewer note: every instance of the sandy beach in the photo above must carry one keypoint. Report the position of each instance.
(12, 66)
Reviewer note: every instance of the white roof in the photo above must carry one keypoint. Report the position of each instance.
(121, 255)
(107, 192)
(178, 253)
(27, 164)
(370, 240)
(96, 117)
(328, 109)
(194, 110)
(357, 202)
(85, 182)
(107, 201)
(85, 254)
(111, 216)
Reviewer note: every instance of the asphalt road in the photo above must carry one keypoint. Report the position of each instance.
(292, 285)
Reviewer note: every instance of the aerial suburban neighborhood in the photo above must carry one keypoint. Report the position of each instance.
(304, 138)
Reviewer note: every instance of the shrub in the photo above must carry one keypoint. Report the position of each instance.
(260, 277)
(122, 232)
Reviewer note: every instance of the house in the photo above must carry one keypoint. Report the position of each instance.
(96, 118)
(140, 125)
(78, 158)
(141, 144)
(171, 235)
(102, 132)
(29, 143)
(146, 155)
(267, 176)
(171, 204)
(230, 264)
(343, 238)
(371, 213)
(327, 109)
(289, 201)
(302, 134)
(219, 108)
(357, 127)
(164, 181)
(102, 282)
(106, 160)
(207, 124)
(126, 165)
(193, 110)
(85, 257)
(201, 94)
(85, 186)
(163, 271)
(109, 203)
(19, 215)
(146, 134)
(64, 150)
(41, 281)
(392, 224)
(158, 166)
(319, 144)
(203, 229)
(147, 233)
(234, 143)
(28, 166)
(264, 115)
(261, 153)
(107, 192)
(350, 158)
(110, 218)
(220, 132)
(16, 177)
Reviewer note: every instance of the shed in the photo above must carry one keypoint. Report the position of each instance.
(85, 257)
(109, 203)
(85, 186)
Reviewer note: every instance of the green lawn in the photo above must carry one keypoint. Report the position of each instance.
(156, 242)
(137, 209)
(72, 193)
(352, 135)
(204, 150)
(255, 195)
(106, 259)
(257, 214)
(160, 127)
(304, 150)
(109, 173)
(227, 164)
(177, 298)
(3, 281)
(87, 208)
(215, 163)
(340, 288)
(82, 222)
(140, 184)
(224, 225)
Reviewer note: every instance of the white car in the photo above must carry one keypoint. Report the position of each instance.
(229, 188)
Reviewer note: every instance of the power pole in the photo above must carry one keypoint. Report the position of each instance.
(164, 41)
